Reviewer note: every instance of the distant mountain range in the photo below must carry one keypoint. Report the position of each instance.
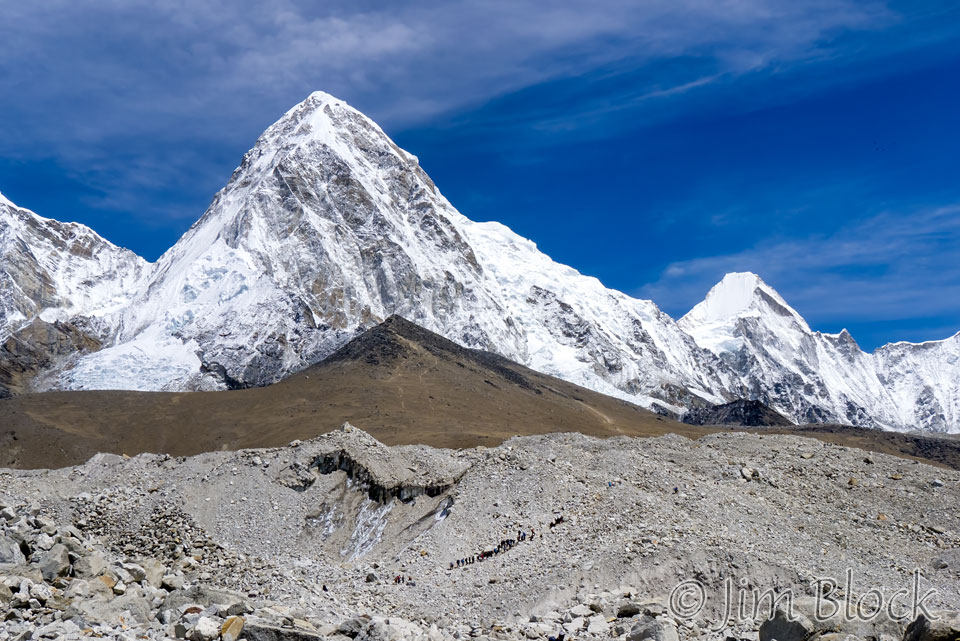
(405, 385)
(327, 228)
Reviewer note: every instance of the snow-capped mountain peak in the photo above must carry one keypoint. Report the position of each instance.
(741, 294)
(815, 377)
(328, 227)
(737, 306)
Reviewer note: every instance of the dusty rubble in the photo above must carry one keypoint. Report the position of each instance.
(342, 537)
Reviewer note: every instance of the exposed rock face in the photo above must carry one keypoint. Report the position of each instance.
(375, 469)
(741, 412)
(56, 271)
(36, 347)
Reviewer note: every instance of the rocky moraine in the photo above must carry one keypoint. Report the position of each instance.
(342, 537)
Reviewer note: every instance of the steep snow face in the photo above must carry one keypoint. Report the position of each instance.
(577, 329)
(814, 377)
(718, 323)
(924, 381)
(327, 227)
(56, 271)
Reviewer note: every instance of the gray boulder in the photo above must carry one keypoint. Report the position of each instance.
(172, 582)
(203, 596)
(20, 572)
(352, 627)
(207, 629)
(90, 565)
(784, 627)
(54, 562)
(6, 595)
(131, 608)
(946, 627)
(261, 632)
(153, 571)
(651, 629)
(10, 553)
(810, 619)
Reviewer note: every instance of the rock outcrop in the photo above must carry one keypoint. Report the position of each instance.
(741, 413)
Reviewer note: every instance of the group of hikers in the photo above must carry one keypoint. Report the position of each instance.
(503, 546)
(402, 580)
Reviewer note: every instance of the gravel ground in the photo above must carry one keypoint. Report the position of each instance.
(265, 531)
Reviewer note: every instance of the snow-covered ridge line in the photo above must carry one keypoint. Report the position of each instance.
(955, 336)
(816, 377)
(54, 271)
(327, 227)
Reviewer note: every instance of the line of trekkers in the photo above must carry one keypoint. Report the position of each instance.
(503, 546)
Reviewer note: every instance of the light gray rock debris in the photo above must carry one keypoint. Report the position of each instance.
(341, 537)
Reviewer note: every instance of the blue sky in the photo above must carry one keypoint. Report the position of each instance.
(655, 145)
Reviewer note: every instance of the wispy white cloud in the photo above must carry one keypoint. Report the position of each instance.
(172, 60)
(130, 94)
(891, 267)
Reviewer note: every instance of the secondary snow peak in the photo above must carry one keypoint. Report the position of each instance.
(740, 294)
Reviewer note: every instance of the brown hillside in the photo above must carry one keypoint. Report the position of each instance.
(400, 382)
